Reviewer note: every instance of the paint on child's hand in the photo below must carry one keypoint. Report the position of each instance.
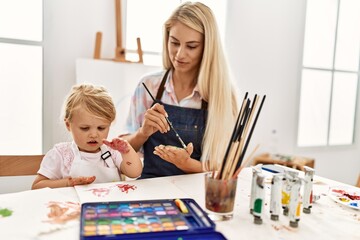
(4, 212)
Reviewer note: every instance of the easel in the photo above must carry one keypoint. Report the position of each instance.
(120, 51)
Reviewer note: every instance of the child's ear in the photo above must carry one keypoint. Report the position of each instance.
(67, 124)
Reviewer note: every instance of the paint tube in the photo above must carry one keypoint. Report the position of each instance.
(259, 198)
(308, 191)
(295, 204)
(275, 196)
(285, 193)
(255, 170)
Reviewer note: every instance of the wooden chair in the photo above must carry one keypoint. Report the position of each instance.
(15, 165)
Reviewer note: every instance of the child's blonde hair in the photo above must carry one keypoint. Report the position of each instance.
(95, 99)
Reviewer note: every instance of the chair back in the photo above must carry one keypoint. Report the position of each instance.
(15, 165)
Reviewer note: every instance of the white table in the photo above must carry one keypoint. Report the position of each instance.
(328, 219)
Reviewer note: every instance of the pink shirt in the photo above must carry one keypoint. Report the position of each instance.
(141, 100)
(57, 162)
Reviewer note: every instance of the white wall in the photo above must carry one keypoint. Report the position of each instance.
(69, 33)
(264, 45)
(264, 41)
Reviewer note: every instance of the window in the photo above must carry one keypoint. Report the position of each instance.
(21, 63)
(150, 31)
(330, 73)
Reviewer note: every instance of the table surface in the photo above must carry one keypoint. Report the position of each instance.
(328, 219)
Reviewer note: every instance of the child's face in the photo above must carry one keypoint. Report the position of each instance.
(87, 130)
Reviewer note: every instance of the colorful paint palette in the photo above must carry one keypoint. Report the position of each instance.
(347, 196)
(167, 218)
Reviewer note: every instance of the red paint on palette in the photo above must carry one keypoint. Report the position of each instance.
(339, 191)
(352, 197)
(126, 187)
(343, 192)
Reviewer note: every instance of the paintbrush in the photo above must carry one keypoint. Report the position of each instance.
(168, 121)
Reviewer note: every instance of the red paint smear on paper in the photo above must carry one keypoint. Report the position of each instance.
(100, 192)
(126, 187)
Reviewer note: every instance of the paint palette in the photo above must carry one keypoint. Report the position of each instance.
(150, 219)
(347, 196)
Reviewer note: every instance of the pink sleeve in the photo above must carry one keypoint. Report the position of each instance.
(141, 101)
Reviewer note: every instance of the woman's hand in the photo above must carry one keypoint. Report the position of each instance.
(118, 144)
(154, 120)
(80, 181)
(175, 155)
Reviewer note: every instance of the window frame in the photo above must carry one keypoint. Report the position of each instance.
(37, 43)
(333, 70)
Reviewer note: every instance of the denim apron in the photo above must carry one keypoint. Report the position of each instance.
(188, 122)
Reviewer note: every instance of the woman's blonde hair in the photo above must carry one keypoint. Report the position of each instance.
(95, 99)
(213, 80)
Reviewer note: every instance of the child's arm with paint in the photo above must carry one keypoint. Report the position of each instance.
(42, 182)
(131, 164)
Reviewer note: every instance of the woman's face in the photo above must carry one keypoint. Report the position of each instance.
(185, 47)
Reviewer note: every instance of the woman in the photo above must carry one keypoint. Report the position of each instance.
(194, 92)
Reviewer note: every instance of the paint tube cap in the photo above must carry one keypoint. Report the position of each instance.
(294, 224)
(307, 210)
(257, 220)
(286, 211)
(274, 217)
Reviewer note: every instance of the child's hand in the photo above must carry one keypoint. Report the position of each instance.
(118, 144)
(80, 181)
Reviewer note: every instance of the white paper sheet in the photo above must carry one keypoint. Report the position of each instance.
(36, 213)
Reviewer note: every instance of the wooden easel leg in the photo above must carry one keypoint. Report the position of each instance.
(139, 50)
(97, 50)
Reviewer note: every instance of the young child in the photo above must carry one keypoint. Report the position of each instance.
(89, 112)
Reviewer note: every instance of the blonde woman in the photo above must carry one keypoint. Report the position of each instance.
(88, 113)
(194, 92)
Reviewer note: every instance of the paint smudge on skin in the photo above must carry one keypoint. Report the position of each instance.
(62, 212)
(126, 187)
(4, 212)
(100, 192)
